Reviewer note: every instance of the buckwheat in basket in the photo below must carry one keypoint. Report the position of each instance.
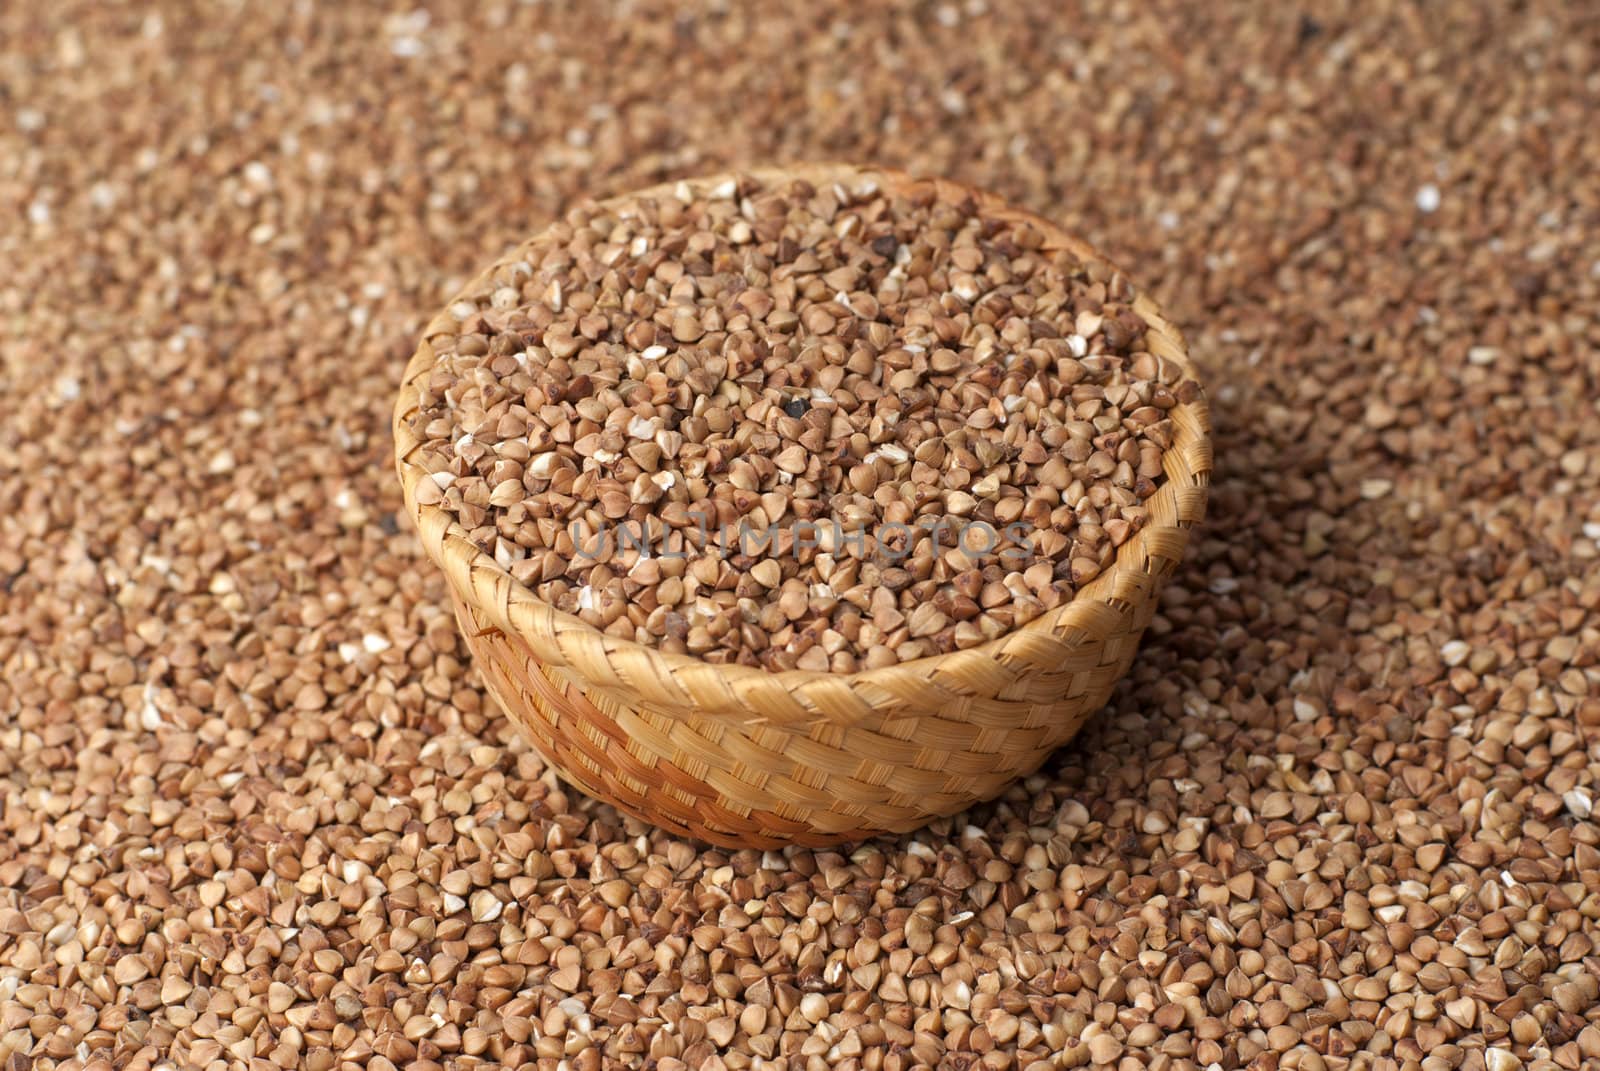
(822, 343)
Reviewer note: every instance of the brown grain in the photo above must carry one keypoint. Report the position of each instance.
(1340, 816)
(863, 378)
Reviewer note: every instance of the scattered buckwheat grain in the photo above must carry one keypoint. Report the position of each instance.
(254, 812)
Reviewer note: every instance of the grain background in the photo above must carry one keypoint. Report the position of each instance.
(255, 813)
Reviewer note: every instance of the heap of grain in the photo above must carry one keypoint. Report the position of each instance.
(798, 426)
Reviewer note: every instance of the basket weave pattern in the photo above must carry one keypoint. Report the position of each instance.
(740, 756)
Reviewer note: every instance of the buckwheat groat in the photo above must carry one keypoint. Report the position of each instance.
(796, 426)
(256, 808)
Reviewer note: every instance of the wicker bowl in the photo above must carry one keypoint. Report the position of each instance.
(744, 757)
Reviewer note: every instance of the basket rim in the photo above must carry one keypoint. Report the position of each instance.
(565, 641)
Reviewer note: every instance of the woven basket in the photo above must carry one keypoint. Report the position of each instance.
(740, 756)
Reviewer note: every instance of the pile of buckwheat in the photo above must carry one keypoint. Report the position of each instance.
(824, 426)
(255, 811)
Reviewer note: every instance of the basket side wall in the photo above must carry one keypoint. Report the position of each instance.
(753, 783)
